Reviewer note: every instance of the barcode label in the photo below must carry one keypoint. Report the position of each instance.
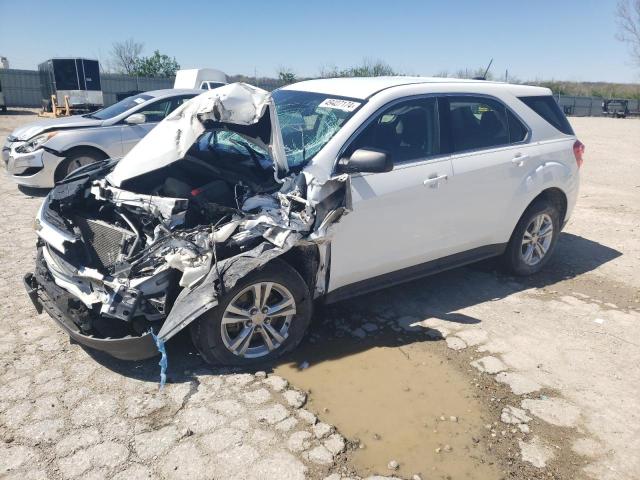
(338, 104)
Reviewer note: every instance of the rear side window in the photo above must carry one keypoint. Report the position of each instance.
(548, 108)
(476, 122)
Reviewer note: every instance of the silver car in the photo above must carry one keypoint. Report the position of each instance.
(45, 151)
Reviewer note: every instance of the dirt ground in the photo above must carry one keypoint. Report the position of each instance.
(519, 378)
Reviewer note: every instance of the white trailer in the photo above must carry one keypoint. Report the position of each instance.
(203, 78)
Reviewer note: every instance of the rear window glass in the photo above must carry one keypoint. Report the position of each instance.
(548, 108)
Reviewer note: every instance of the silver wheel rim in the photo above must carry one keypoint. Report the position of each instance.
(257, 320)
(537, 239)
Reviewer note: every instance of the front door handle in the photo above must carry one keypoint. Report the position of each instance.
(519, 159)
(432, 181)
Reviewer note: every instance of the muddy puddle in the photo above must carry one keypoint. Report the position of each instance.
(403, 401)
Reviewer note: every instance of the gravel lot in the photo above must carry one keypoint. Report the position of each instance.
(566, 343)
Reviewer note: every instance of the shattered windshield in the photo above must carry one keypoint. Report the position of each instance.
(232, 143)
(309, 120)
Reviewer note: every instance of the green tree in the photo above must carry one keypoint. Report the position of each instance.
(157, 65)
(286, 75)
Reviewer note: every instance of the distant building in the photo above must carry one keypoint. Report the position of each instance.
(4, 63)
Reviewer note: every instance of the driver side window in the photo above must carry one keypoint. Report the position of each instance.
(407, 131)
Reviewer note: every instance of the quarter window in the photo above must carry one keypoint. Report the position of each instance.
(548, 108)
(407, 131)
(517, 130)
(477, 123)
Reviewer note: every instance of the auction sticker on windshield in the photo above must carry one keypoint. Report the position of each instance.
(338, 104)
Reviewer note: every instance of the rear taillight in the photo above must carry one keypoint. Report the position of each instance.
(578, 152)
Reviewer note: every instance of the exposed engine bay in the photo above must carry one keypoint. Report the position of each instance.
(128, 249)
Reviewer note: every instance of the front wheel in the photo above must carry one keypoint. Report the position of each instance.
(264, 316)
(533, 239)
(76, 160)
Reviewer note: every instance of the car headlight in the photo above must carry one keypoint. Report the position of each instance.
(35, 143)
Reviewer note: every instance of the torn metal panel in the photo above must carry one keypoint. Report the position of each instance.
(171, 210)
(194, 302)
(233, 104)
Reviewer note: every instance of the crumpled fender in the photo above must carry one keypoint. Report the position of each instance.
(193, 302)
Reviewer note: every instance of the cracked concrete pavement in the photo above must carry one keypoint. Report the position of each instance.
(567, 341)
(67, 414)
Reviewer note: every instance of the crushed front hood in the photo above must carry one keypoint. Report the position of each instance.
(236, 105)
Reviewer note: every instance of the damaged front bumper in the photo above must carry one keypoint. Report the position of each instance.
(47, 296)
(35, 169)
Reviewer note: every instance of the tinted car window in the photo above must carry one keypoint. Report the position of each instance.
(548, 108)
(476, 122)
(407, 131)
(517, 130)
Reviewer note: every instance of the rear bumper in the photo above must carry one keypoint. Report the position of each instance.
(127, 348)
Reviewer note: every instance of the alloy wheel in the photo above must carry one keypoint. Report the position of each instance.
(537, 239)
(257, 319)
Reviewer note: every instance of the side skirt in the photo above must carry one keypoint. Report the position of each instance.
(414, 272)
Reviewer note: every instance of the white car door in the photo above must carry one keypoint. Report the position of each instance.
(490, 164)
(399, 218)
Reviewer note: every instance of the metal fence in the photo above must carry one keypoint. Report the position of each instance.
(21, 88)
(587, 106)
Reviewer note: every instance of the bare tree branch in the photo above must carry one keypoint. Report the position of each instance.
(125, 55)
(628, 20)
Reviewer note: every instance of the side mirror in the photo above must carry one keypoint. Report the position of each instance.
(136, 119)
(366, 160)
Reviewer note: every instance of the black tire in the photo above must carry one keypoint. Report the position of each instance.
(77, 159)
(206, 332)
(513, 256)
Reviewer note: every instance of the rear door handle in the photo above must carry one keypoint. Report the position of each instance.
(519, 159)
(435, 180)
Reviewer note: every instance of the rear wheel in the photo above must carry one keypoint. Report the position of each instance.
(77, 159)
(264, 316)
(533, 239)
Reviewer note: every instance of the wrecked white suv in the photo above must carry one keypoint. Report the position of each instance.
(243, 207)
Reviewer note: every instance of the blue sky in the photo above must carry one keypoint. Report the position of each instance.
(561, 39)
